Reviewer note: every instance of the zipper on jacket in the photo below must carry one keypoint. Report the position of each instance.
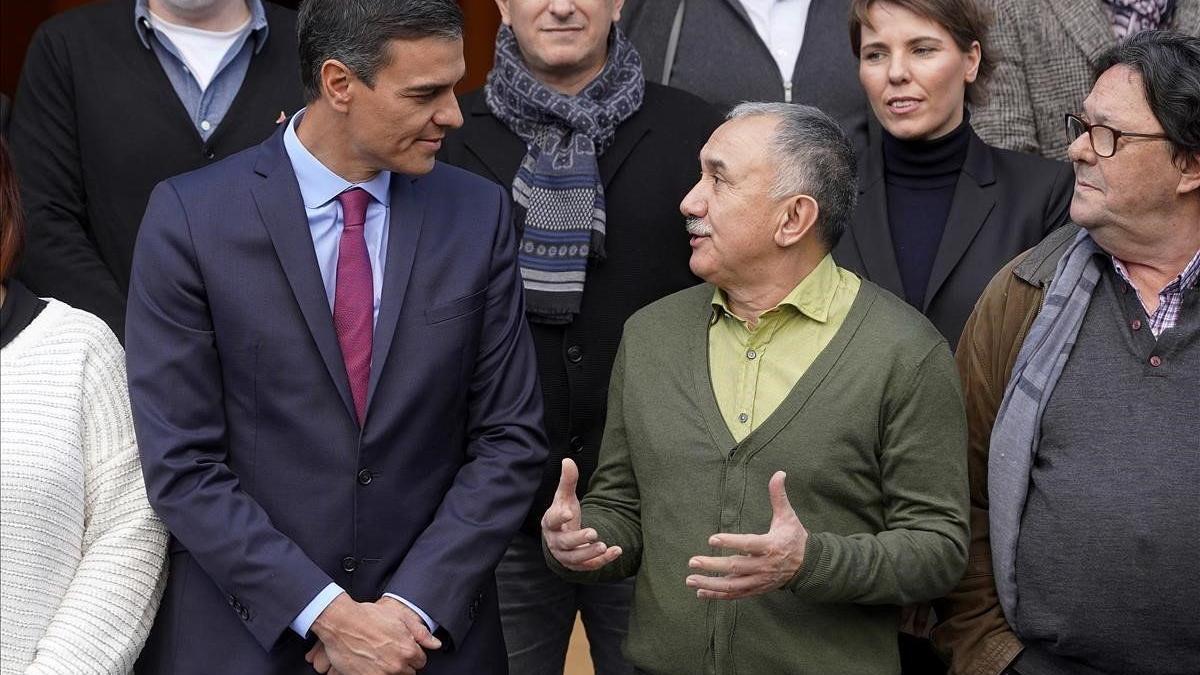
(787, 92)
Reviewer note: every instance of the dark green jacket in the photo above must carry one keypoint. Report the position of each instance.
(873, 439)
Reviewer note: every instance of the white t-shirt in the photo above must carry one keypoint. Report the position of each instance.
(780, 24)
(201, 50)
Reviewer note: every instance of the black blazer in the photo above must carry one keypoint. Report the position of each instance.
(650, 166)
(1004, 203)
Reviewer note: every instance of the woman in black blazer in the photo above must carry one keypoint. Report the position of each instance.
(940, 211)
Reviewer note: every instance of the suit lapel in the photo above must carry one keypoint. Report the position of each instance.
(969, 208)
(282, 211)
(738, 9)
(1087, 24)
(627, 136)
(405, 218)
(871, 230)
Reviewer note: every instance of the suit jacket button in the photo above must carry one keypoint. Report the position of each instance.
(244, 613)
(364, 477)
(349, 564)
(574, 353)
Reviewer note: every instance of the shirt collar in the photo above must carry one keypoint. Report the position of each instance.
(812, 297)
(258, 22)
(1186, 279)
(319, 185)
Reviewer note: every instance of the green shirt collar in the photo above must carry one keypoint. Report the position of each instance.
(812, 297)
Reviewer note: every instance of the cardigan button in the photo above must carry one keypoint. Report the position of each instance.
(1156, 360)
(574, 353)
(576, 444)
(1136, 324)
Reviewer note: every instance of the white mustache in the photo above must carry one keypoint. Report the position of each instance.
(698, 228)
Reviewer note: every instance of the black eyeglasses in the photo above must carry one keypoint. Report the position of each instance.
(1104, 138)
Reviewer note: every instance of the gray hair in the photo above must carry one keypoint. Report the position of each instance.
(358, 32)
(813, 157)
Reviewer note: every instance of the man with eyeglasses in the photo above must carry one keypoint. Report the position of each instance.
(1081, 373)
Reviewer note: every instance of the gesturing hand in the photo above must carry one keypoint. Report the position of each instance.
(370, 639)
(765, 561)
(574, 548)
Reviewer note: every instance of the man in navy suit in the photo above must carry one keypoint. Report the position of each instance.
(333, 385)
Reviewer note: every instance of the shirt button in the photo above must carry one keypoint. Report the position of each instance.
(205, 125)
(365, 477)
(574, 353)
(1136, 324)
(743, 418)
(751, 354)
(1155, 361)
(349, 564)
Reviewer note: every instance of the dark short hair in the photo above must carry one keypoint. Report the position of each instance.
(967, 21)
(1169, 63)
(12, 219)
(813, 157)
(358, 32)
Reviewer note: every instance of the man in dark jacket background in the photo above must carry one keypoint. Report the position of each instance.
(116, 96)
(598, 161)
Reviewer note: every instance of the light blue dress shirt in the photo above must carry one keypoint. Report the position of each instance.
(319, 188)
(206, 107)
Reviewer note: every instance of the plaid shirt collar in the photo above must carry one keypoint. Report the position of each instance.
(1170, 298)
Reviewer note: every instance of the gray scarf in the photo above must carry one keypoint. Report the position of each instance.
(1016, 432)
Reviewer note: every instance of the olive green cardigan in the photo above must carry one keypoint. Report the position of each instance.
(873, 440)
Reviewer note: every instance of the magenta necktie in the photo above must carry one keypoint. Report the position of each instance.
(353, 297)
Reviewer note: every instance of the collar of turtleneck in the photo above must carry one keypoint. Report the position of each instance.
(926, 163)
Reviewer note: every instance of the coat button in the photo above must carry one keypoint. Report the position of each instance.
(577, 444)
(1156, 360)
(349, 564)
(365, 477)
(1136, 324)
(574, 353)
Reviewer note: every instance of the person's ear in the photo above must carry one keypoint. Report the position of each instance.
(335, 84)
(616, 10)
(974, 58)
(1189, 173)
(799, 219)
(505, 15)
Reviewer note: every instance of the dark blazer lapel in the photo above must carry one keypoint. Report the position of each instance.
(486, 137)
(405, 218)
(870, 229)
(737, 7)
(1087, 24)
(282, 212)
(825, 21)
(973, 200)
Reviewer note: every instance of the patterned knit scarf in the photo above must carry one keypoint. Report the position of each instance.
(1017, 430)
(558, 192)
(1132, 16)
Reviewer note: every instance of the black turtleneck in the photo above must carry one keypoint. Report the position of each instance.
(920, 178)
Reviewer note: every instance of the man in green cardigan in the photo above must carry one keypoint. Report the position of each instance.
(784, 461)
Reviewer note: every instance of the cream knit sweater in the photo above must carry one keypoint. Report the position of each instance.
(82, 556)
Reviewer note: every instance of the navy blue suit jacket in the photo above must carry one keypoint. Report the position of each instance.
(250, 447)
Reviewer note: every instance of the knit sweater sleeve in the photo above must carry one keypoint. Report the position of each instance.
(922, 551)
(612, 505)
(106, 613)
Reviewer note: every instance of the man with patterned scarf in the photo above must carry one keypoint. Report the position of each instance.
(1081, 372)
(598, 160)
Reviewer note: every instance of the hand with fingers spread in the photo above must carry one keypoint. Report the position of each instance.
(574, 548)
(763, 563)
(381, 638)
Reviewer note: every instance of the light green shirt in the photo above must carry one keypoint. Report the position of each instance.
(753, 369)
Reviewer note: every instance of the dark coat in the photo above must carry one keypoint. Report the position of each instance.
(250, 444)
(650, 166)
(721, 58)
(96, 124)
(1004, 203)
